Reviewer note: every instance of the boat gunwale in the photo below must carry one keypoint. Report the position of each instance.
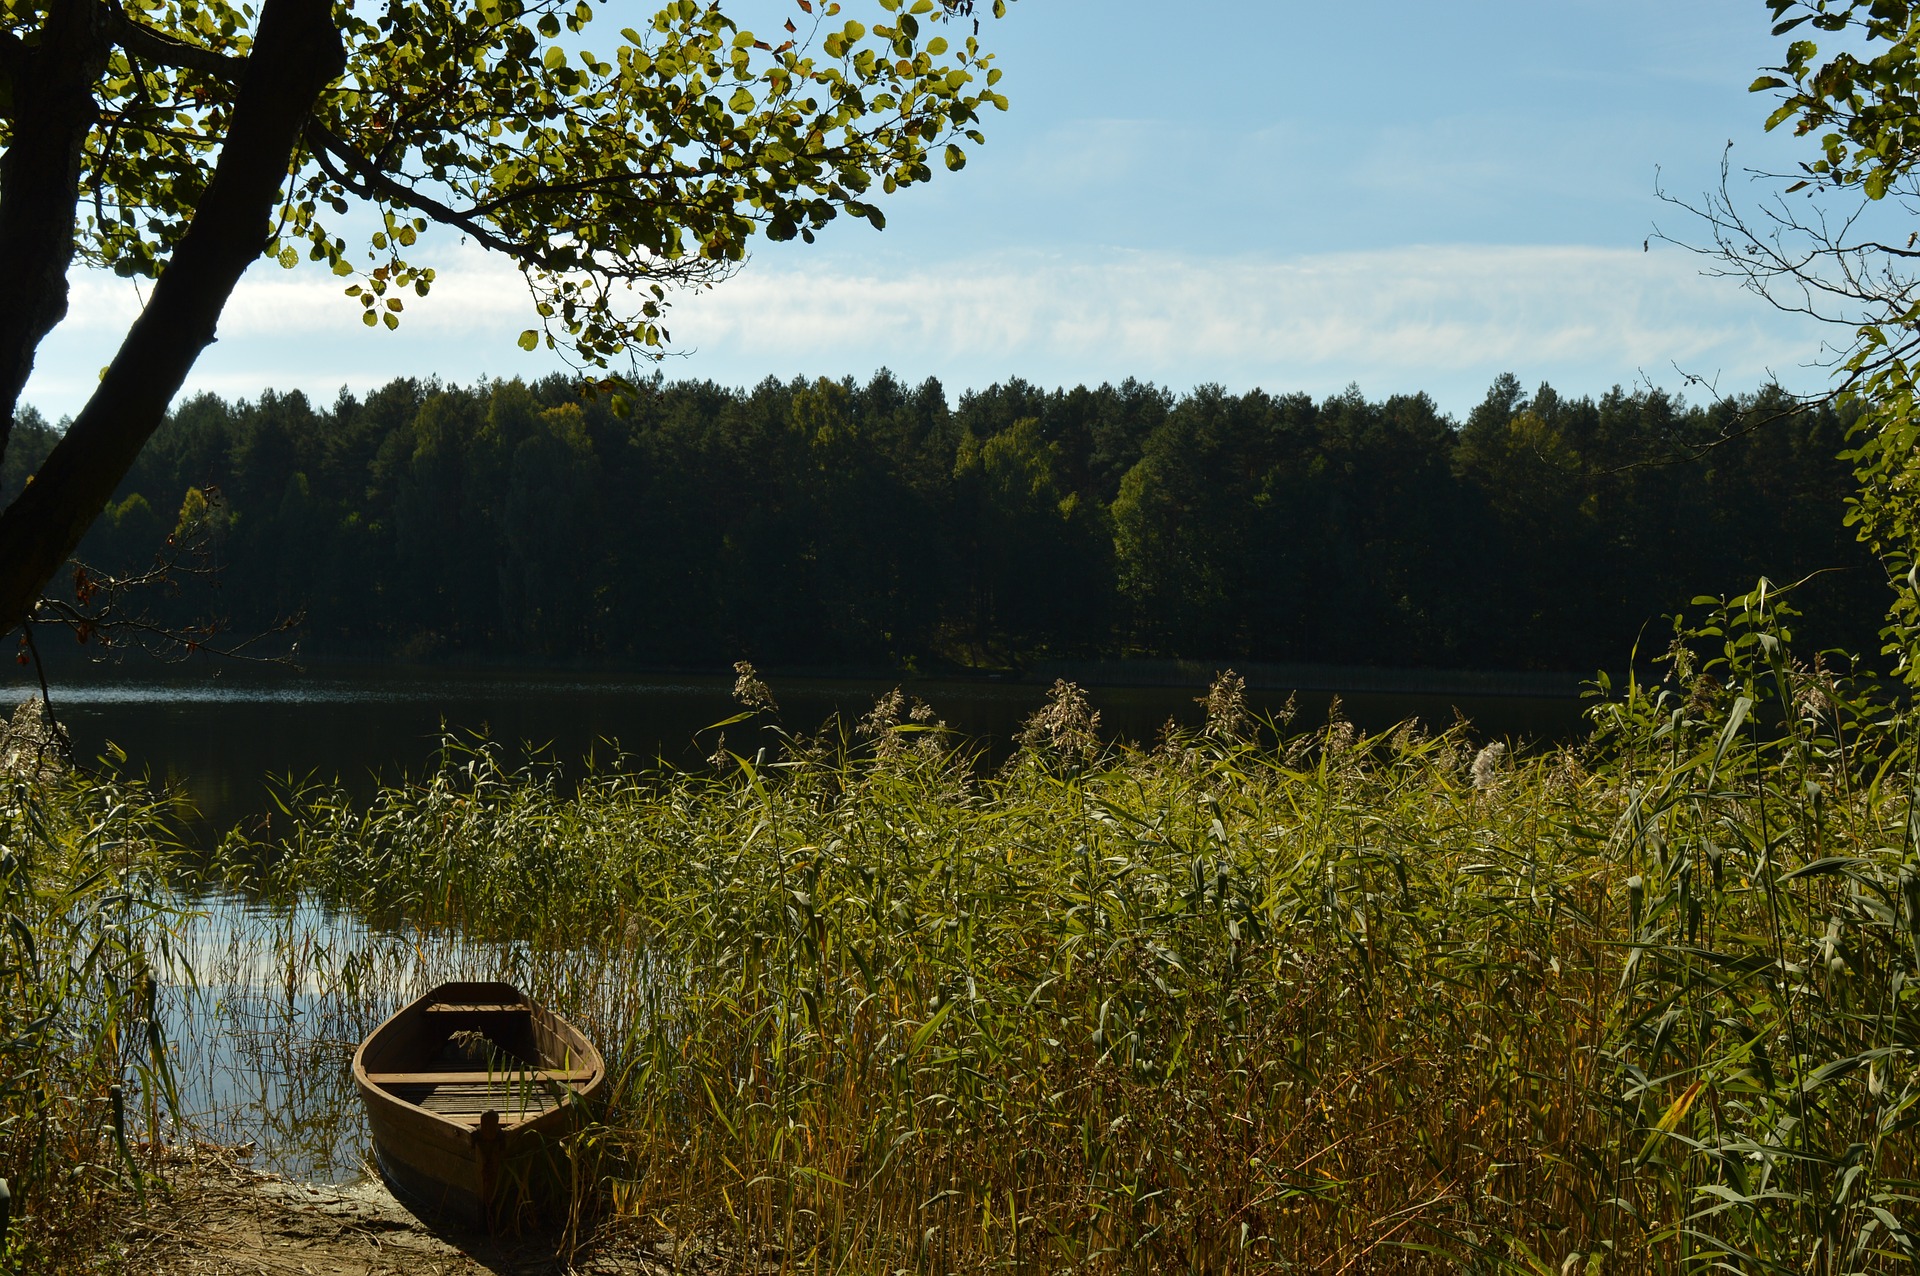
(382, 1092)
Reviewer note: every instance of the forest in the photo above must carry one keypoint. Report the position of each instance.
(830, 523)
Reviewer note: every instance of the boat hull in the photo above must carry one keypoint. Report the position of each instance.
(479, 1148)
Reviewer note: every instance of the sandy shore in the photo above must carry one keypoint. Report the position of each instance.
(216, 1216)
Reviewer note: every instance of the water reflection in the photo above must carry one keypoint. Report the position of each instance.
(263, 1008)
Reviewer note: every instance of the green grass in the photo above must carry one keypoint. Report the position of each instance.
(1253, 999)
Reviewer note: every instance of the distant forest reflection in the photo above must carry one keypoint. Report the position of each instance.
(834, 524)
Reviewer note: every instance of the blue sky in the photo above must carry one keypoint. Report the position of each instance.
(1410, 196)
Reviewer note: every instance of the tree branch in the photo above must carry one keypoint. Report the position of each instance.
(164, 50)
(364, 178)
(297, 51)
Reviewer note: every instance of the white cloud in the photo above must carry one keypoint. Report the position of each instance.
(1442, 318)
(1403, 313)
(297, 329)
(473, 291)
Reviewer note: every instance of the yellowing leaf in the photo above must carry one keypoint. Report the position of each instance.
(1670, 1120)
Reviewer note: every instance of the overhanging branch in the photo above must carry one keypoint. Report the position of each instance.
(365, 178)
(164, 50)
(296, 53)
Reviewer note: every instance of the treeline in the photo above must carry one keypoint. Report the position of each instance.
(833, 523)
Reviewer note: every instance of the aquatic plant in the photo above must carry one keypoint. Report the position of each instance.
(1242, 1001)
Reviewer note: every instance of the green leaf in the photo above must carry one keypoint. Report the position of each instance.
(529, 340)
(927, 1029)
(1742, 705)
(491, 104)
(956, 158)
(1831, 864)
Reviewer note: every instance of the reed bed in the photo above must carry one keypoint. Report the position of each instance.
(1249, 1000)
(1252, 999)
(83, 1065)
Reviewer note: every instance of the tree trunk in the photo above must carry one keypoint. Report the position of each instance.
(54, 109)
(297, 51)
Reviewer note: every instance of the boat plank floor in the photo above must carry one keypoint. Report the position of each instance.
(498, 1077)
(472, 1098)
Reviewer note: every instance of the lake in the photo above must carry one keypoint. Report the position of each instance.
(219, 732)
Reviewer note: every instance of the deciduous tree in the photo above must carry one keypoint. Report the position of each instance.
(184, 139)
(1833, 239)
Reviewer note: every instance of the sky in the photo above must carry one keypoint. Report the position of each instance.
(1398, 194)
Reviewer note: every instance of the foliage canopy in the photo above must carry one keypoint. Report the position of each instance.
(1831, 245)
(829, 523)
(181, 139)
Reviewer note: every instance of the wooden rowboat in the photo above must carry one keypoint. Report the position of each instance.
(469, 1092)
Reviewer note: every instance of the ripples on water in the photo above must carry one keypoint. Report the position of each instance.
(324, 691)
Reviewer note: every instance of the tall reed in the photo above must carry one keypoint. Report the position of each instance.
(85, 1078)
(1249, 1000)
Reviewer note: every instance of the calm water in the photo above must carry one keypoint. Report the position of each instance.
(263, 1007)
(220, 734)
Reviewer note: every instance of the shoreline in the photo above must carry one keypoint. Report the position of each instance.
(217, 1215)
(1092, 674)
